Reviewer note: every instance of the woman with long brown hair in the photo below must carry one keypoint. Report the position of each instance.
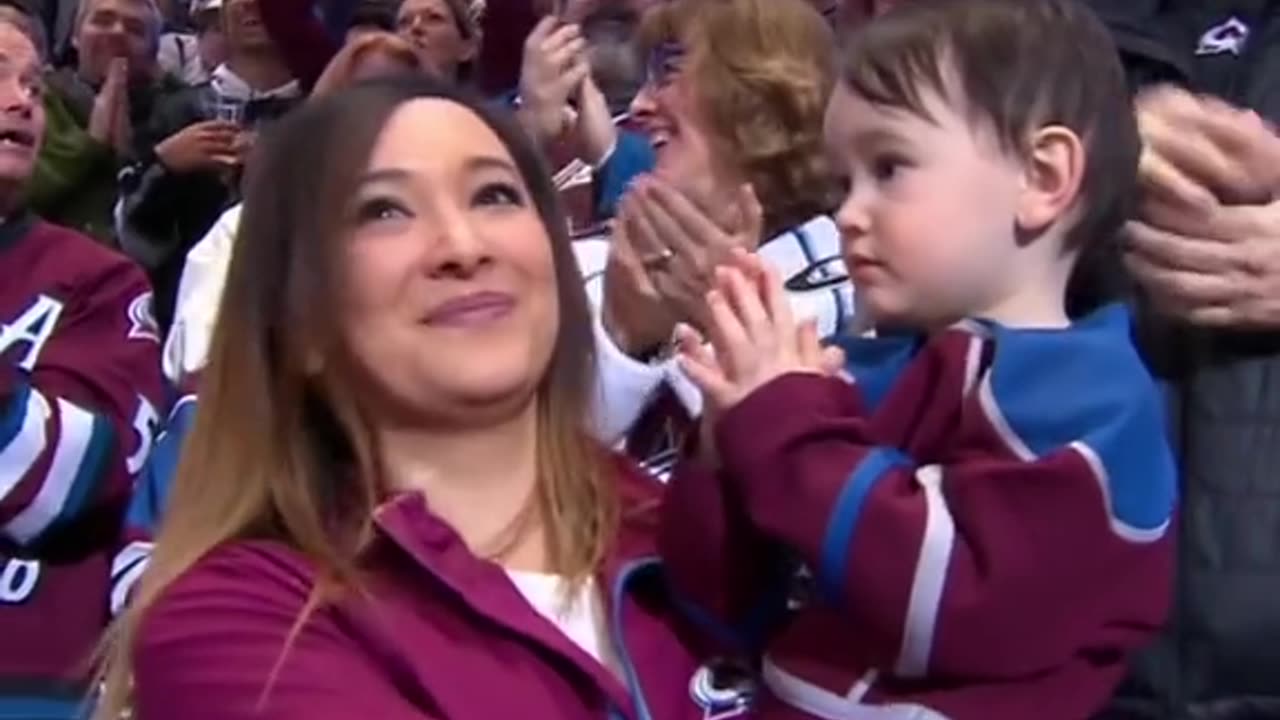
(391, 505)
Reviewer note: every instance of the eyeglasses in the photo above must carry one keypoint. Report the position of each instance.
(665, 62)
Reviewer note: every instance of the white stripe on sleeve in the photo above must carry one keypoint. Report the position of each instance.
(23, 451)
(73, 444)
(930, 578)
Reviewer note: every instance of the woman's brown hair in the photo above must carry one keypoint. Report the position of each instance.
(762, 72)
(342, 70)
(283, 452)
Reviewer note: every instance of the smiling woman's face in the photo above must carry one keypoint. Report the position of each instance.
(450, 310)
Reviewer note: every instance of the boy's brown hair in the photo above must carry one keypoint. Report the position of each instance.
(1018, 66)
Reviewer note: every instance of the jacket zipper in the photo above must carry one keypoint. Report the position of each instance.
(638, 701)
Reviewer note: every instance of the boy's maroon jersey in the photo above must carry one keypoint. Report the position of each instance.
(980, 522)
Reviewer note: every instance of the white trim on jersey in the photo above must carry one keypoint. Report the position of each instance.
(73, 441)
(126, 569)
(23, 451)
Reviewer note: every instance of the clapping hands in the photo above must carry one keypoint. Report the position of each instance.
(754, 337)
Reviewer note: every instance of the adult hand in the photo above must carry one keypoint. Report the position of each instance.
(109, 119)
(208, 145)
(683, 243)
(553, 66)
(1216, 266)
(1198, 149)
(633, 313)
(1204, 244)
(755, 339)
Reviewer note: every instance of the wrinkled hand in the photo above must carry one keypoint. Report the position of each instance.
(109, 121)
(553, 66)
(1198, 149)
(1205, 245)
(754, 337)
(208, 145)
(1217, 267)
(684, 242)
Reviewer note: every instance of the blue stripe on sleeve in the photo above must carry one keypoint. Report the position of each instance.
(89, 477)
(11, 423)
(844, 519)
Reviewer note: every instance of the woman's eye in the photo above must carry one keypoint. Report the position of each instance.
(498, 194)
(380, 209)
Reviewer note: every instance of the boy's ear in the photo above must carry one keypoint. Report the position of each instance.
(1053, 170)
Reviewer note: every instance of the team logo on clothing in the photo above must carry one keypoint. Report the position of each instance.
(142, 319)
(819, 275)
(723, 689)
(1229, 37)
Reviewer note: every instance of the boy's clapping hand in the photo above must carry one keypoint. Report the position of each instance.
(754, 336)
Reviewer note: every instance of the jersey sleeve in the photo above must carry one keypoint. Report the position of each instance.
(150, 498)
(1003, 508)
(80, 407)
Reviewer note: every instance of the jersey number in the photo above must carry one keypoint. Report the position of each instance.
(145, 423)
(18, 580)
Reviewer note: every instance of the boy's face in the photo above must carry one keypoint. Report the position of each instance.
(928, 223)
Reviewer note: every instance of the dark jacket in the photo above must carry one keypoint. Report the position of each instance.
(439, 635)
(163, 213)
(1219, 658)
(75, 179)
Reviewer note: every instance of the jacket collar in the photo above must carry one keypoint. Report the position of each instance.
(406, 522)
(229, 85)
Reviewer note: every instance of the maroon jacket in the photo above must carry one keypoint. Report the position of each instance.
(981, 522)
(439, 635)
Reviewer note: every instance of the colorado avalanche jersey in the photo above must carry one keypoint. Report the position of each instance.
(975, 528)
(80, 397)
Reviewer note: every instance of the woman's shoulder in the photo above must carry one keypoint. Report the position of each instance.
(247, 586)
(261, 564)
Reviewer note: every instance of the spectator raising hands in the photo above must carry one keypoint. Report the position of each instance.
(553, 68)
(109, 122)
(558, 97)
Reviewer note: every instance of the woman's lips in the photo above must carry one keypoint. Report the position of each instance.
(471, 310)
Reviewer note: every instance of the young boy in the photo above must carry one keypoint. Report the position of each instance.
(972, 521)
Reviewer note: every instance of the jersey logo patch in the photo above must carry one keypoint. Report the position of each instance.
(1228, 37)
(723, 689)
(142, 319)
(820, 274)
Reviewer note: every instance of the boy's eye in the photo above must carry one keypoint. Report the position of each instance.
(886, 167)
(498, 193)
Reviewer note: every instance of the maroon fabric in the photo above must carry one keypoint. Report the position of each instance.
(506, 25)
(300, 36)
(1040, 598)
(440, 635)
(103, 357)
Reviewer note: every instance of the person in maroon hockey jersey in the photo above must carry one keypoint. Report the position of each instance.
(972, 521)
(80, 393)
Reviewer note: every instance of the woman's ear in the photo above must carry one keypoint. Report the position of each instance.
(1054, 164)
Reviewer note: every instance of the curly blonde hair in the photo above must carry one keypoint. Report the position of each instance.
(761, 72)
